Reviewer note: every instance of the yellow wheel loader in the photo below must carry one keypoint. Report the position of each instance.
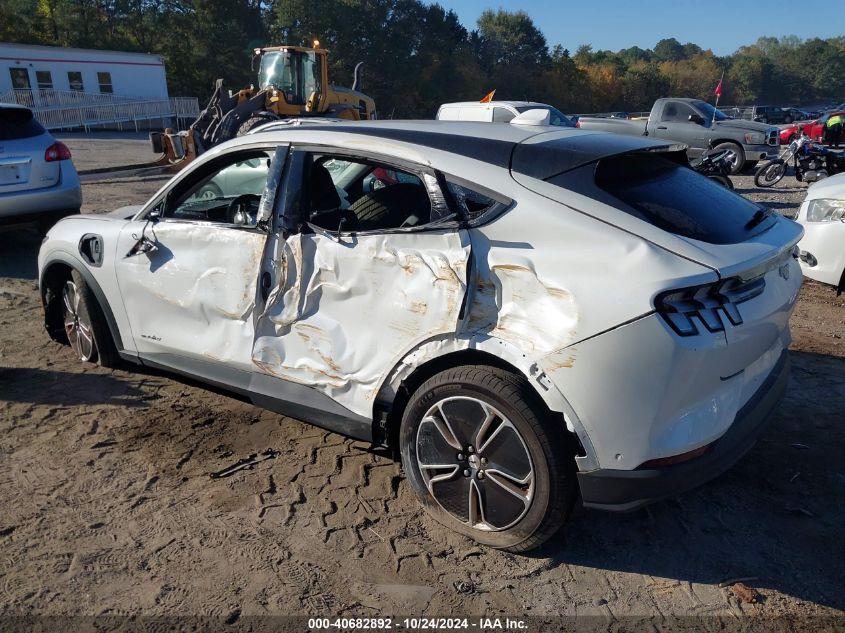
(293, 81)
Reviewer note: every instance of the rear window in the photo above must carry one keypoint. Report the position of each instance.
(676, 199)
(17, 123)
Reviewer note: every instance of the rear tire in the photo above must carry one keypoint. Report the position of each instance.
(513, 491)
(738, 163)
(85, 325)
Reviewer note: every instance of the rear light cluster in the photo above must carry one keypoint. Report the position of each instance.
(57, 151)
(708, 304)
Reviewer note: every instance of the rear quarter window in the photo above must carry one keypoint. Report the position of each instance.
(676, 199)
(18, 123)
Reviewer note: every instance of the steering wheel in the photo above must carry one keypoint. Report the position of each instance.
(239, 212)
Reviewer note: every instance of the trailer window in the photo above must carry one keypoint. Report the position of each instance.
(678, 200)
(104, 81)
(74, 80)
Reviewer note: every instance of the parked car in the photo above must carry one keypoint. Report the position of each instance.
(815, 129)
(789, 133)
(701, 127)
(772, 114)
(37, 179)
(498, 112)
(797, 114)
(823, 246)
(470, 301)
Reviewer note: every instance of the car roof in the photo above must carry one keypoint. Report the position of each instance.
(539, 151)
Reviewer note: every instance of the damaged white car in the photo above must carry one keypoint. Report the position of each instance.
(522, 312)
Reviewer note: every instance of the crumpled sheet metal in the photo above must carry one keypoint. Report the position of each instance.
(221, 297)
(342, 317)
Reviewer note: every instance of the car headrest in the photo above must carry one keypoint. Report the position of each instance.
(324, 195)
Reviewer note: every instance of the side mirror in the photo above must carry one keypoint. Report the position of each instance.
(696, 118)
(154, 215)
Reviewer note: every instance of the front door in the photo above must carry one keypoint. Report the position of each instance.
(675, 125)
(191, 298)
(373, 269)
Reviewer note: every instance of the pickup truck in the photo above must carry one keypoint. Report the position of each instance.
(701, 127)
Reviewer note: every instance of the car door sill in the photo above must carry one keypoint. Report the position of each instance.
(268, 392)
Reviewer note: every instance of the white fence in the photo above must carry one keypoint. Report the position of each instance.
(69, 109)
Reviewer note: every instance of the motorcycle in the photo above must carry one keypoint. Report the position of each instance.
(812, 161)
(716, 166)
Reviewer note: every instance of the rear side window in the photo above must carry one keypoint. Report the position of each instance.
(476, 204)
(502, 115)
(676, 199)
(17, 123)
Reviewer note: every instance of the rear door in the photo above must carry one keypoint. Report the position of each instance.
(23, 144)
(372, 266)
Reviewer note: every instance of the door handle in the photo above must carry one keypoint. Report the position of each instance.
(662, 127)
(266, 281)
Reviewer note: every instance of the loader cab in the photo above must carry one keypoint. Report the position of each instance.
(298, 73)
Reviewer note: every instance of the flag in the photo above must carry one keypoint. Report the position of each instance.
(488, 97)
(718, 90)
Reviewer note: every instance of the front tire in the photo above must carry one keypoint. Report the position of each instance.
(738, 159)
(769, 175)
(85, 325)
(486, 459)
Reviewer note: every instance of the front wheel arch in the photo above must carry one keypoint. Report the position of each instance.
(57, 270)
(734, 147)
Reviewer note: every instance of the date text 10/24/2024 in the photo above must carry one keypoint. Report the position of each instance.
(384, 624)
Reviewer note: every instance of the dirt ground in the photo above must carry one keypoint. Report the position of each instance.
(108, 507)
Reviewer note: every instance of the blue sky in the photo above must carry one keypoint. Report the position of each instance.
(723, 25)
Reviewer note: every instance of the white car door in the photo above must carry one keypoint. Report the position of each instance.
(347, 306)
(190, 292)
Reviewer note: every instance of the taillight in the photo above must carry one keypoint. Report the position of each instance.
(707, 304)
(57, 151)
(578, 123)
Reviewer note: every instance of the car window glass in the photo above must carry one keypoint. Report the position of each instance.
(502, 115)
(472, 204)
(677, 112)
(230, 194)
(360, 195)
(677, 199)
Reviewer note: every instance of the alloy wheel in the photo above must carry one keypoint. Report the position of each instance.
(77, 326)
(475, 463)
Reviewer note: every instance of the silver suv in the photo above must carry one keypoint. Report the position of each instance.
(37, 179)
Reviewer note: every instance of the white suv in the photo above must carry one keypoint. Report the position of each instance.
(521, 312)
(498, 112)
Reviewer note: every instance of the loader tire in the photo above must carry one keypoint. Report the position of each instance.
(256, 119)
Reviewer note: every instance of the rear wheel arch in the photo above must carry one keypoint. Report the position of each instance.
(412, 381)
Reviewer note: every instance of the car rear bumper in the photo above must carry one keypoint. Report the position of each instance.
(22, 206)
(623, 490)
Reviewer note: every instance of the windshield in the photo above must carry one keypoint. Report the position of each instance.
(295, 73)
(709, 111)
(557, 117)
